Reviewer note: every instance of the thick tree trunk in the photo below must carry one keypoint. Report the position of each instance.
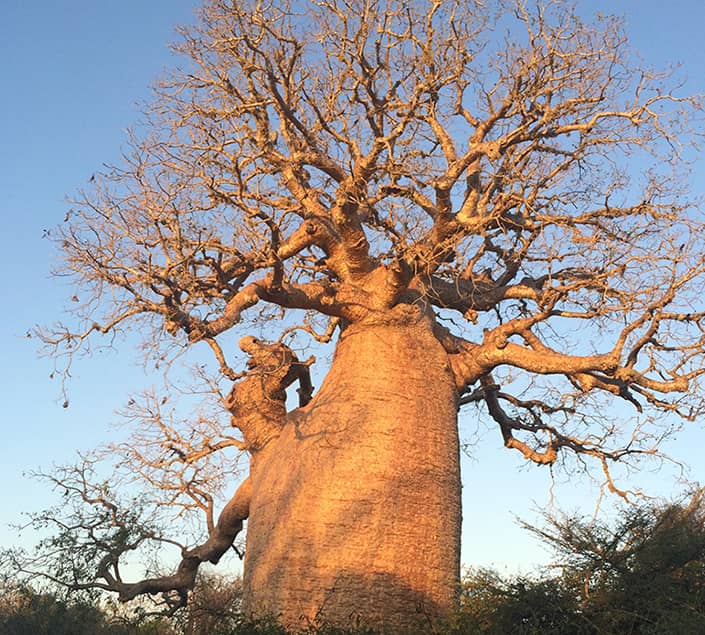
(355, 512)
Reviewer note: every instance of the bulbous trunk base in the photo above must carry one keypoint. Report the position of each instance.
(355, 513)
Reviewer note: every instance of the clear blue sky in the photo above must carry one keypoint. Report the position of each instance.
(72, 71)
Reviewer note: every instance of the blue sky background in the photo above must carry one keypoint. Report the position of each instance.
(72, 72)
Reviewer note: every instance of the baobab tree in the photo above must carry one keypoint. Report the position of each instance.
(481, 206)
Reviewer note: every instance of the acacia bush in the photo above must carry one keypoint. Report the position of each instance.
(643, 573)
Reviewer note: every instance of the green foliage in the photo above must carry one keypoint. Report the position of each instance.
(24, 612)
(644, 575)
(494, 605)
(641, 575)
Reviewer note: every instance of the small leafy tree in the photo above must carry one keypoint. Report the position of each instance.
(643, 574)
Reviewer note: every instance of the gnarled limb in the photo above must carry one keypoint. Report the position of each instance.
(258, 406)
(507, 424)
(607, 371)
(221, 538)
(98, 531)
(627, 371)
(547, 439)
(258, 402)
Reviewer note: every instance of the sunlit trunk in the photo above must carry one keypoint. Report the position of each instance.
(355, 513)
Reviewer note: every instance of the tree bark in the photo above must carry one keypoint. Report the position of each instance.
(355, 514)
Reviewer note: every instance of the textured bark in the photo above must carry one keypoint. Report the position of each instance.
(355, 513)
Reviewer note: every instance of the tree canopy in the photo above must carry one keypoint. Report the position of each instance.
(306, 148)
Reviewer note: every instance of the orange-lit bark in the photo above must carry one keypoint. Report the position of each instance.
(356, 506)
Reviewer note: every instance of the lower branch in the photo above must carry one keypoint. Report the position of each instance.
(229, 524)
(507, 424)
